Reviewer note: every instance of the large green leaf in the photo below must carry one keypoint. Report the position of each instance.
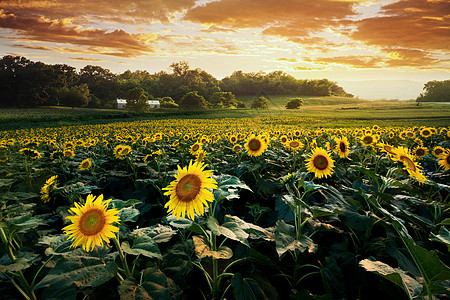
(119, 204)
(23, 261)
(228, 187)
(143, 245)
(231, 229)
(246, 288)
(80, 269)
(443, 237)
(129, 214)
(176, 262)
(285, 239)
(202, 250)
(154, 286)
(20, 196)
(159, 233)
(57, 244)
(411, 287)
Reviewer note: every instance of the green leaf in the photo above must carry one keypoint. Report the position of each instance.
(176, 262)
(20, 196)
(80, 269)
(154, 286)
(159, 233)
(23, 261)
(180, 223)
(203, 250)
(246, 288)
(231, 229)
(119, 204)
(442, 237)
(228, 187)
(143, 245)
(129, 214)
(409, 285)
(6, 182)
(285, 239)
(445, 222)
(57, 244)
(26, 223)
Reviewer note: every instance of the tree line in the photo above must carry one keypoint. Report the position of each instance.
(435, 91)
(25, 83)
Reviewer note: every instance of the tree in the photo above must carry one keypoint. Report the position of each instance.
(193, 101)
(435, 91)
(224, 100)
(260, 103)
(137, 100)
(167, 102)
(74, 96)
(102, 83)
(294, 103)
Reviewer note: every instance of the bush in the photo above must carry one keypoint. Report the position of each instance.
(167, 102)
(193, 101)
(294, 103)
(137, 100)
(260, 103)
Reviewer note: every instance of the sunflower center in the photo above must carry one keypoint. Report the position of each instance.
(408, 163)
(438, 151)
(283, 140)
(294, 144)
(92, 222)
(368, 139)
(188, 188)
(426, 133)
(254, 144)
(320, 162)
(195, 147)
(448, 159)
(342, 146)
(420, 152)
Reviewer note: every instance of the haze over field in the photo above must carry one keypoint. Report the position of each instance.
(356, 43)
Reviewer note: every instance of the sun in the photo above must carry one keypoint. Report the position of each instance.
(92, 223)
(190, 191)
(320, 163)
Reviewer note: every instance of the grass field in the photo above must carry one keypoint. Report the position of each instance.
(331, 111)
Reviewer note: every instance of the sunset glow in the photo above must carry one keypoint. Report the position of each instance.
(334, 39)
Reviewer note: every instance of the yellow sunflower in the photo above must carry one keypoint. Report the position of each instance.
(444, 161)
(342, 147)
(92, 223)
(389, 149)
(195, 148)
(31, 153)
(255, 145)
(200, 156)
(176, 143)
(368, 140)
(438, 150)
(237, 148)
(420, 151)
(189, 192)
(320, 163)
(49, 185)
(284, 139)
(408, 160)
(86, 164)
(294, 145)
(426, 132)
(68, 153)
(233, 139)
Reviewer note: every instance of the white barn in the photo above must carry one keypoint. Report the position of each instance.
(122, 103)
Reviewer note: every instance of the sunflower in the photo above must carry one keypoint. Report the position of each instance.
(438, 150)
(420, 151)
(176, 143)
(389, 149)
(233, 139)
(444, 161)
(189, 192)
(49, 185)
(342, 147)
(31, 153)
(120, 151)
(195, 148)
(426, 132)
(56, 154)
(200, 156)
(255, 145)
(237, 148)
(368, 140)
(91, 223)
(3, 158)
(284, 139)
(68, 153)
(294, 145)
(320, 163)
(408, 160)
(85, 164)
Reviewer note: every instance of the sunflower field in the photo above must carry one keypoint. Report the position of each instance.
(245, 208)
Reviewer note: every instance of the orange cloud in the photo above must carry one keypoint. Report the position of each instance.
(356, 61)
(413, 24)
(87, 59)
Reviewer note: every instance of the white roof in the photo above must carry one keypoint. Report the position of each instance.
(124, 101)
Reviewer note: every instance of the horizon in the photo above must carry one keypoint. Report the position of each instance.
(341, 40)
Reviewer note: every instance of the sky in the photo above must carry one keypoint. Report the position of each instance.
(341, 40)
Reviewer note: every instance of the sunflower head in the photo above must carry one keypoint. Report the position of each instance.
(49, 185)
(342, 147)
(320, 163)
(190, 191)
(368, 140)
(255, 145)
(410, 165)
(444, 161)
(195, 148)
(420, 151)
(294, 145)
(91, 223)
(438, 151)
(86, 164)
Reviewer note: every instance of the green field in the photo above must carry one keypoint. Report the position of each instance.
(331, 111)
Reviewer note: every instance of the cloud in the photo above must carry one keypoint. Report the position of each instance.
(413, 24)
(218, 29)
(87, 59)
(285, 18)
(355, 61)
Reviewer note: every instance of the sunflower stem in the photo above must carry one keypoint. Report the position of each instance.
(215, 269)
(122, 258)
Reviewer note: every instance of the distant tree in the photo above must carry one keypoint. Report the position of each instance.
(74, 96)
(102, 83)
(224, 100)
(240, 104)
(193, 101)
(294, 103)
(167, 102)
(260, 103)
(137, 100)
(435, 91)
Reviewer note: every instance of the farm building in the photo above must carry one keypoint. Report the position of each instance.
(122, 103)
